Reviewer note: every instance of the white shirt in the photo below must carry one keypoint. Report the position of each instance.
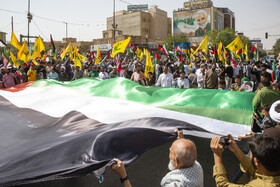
(103, 75)
(186, 69)
(191, 177)
(235, 71)
(200, 78)
(179, 83)
(165, 80)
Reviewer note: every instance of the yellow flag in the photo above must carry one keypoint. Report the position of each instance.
(245, 52)
(23, 53)
(149, 67)
(98, 58)
(38, 48)
(54, 56)
(225, 55)
(203, 45)
(67, 50)
(35, 62)
(41, 44)
(14, 60)
(120, 47)
(139, 53)
(235, 45)
(220, 48)
(192, 58)
(77, 61)
(15, 42)
(81, 57)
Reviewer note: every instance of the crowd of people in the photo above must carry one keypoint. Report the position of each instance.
(254, 76)
(245, 76)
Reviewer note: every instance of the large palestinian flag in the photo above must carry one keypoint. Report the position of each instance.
(51, 130)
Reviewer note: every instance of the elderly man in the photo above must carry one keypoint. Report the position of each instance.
(185, 170)
(202, 22)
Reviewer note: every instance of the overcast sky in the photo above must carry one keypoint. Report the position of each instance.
(253, 17)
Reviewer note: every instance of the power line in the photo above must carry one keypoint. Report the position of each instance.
(52, 20)
(125, 2)
(40, 30)
(12, 11)
(5, 26)
(259, 29)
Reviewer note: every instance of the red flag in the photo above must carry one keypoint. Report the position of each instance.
(253, 49)
(157, 58)
(93, 55)
(181, 57)
(108, 54)
(187, 49)
(52, 45)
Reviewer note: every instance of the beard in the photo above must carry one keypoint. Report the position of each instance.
(171, 166)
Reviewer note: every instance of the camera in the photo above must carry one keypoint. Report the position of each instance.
(224, 141)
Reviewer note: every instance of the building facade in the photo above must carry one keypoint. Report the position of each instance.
(199, 17)
(142, 26)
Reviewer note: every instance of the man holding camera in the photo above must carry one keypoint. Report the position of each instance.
(263, 164)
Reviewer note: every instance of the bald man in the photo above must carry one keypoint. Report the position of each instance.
(184, 169)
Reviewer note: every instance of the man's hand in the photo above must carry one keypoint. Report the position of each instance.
(232, 144)
(216, 147)
(179, 133)
(119, 168)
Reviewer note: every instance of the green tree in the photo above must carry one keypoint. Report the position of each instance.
(175, 38)
(276, 47)
(226, 36)
(245, 40)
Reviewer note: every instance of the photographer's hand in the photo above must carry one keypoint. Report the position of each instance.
(234, 148)
(217, 149)
(179, 133)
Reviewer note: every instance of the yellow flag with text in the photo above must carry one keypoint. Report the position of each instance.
(139, 53)
(67, 50)
(149, 67)
(220, 51)
(14, 60)
(245, 52)
(15, 42)
(98, 58)
(24, 53)
(38, 48)
(225, 55)
(235, 45)
(77, 61)
(203, 45)
(120, 47)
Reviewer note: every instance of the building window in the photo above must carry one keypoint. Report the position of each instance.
(105, 35)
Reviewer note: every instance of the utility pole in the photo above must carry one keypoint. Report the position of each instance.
(66, 29)
(114, 22)
(12, 19)
(29, 18)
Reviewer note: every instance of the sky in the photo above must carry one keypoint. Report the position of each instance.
(87, 18)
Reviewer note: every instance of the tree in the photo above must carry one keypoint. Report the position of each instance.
(245, 40)
(225, 36)
(276, 47)
(175, 38)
